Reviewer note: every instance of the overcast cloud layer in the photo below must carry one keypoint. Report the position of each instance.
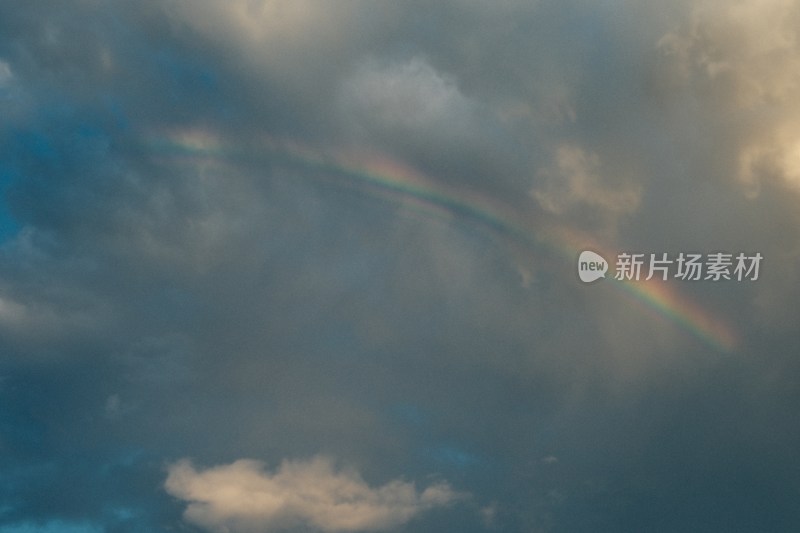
(306, 265)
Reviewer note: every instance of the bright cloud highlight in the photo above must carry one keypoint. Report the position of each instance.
(245, 497)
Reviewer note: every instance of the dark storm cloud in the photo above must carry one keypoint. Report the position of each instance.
(172, 288)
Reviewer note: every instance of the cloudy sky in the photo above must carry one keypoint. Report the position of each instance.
(311, 266)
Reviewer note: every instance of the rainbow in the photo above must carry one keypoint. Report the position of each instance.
(384, 177)
(662, 296)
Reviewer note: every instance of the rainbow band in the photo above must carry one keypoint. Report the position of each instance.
(381, 176)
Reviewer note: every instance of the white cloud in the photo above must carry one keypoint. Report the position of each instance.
(259, 21)
(751, 43)
(410, 96)
(743, 60)
(244, 497)
(284, 39)
(574, 180)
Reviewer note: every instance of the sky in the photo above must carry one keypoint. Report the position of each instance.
(312, 266)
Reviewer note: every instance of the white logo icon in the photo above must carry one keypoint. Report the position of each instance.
(591, 266)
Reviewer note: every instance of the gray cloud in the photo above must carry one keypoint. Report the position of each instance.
(285, 229)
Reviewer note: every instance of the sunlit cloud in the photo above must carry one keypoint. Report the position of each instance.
(245, 497)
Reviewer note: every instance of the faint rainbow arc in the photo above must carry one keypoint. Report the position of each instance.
(665, 299)
(386, 177)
